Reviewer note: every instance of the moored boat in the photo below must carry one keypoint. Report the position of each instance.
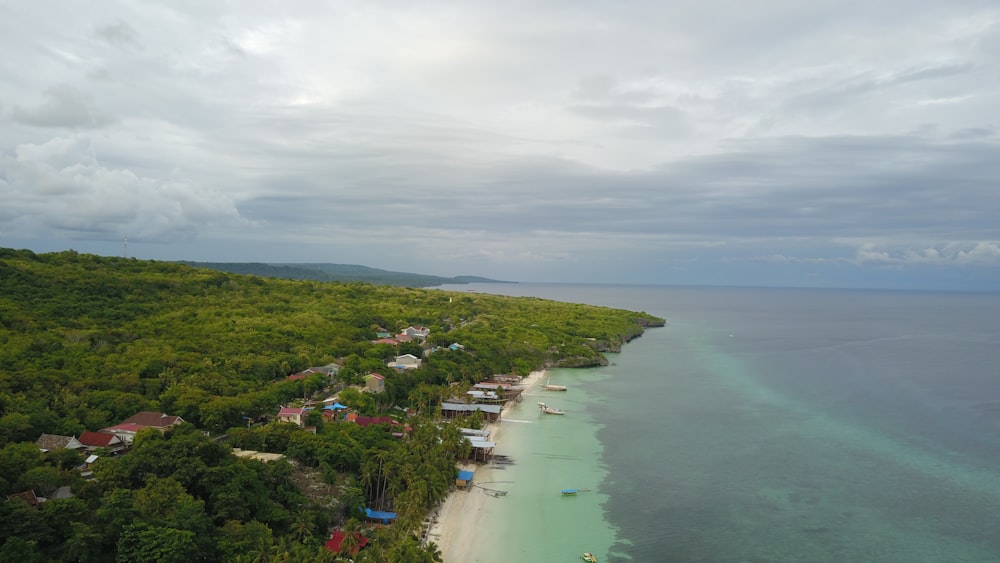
(548, 410)
(548, 387)
(588, 556)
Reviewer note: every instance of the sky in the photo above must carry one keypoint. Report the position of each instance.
(778, 142)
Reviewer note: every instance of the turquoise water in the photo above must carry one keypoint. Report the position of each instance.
(547, 453)
(776, 425)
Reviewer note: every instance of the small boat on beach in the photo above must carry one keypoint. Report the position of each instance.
(549, 410)
(588, 556)
(549, 387)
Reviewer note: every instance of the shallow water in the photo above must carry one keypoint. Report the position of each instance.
(546, 453)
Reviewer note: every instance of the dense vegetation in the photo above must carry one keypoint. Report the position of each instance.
(87, 341)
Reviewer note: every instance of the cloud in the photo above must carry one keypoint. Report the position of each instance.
(66, 107)
(537, 137)
(62, 186)
(118, 34)
(982, 253)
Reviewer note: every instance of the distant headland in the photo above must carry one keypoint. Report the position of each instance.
(338, 272)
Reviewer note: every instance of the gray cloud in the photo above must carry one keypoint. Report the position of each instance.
(118, 34)
(526, 140)
(62, 186)
(66, 107)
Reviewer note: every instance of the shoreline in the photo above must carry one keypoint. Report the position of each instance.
(454, 524)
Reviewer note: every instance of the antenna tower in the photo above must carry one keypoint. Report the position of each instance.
(125, 242)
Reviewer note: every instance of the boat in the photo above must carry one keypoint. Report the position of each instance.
(569, 492)
(588, 556)
(549, 410)
(549, 387)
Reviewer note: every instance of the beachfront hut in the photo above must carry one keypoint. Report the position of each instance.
(477, 396)
(504, 390)
(464, 479)
(482, 448)
(451, 410)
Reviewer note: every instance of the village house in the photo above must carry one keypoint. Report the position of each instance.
(334, 411)
(128, 428)
(420, 332)
(29, 497)
(375, 382)
(50, 442)
(337, 539)
(329, 370)
(94, 440)
(295, 415)
(406, 361)
(365, 421)
(87, 467)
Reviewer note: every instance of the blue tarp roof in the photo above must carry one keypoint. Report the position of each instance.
(380, 515)
(466, 475)
(334, 407)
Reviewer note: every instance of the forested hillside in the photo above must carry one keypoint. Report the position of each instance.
(88, 341)
(337, 272)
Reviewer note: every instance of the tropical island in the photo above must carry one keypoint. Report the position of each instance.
(155, 411)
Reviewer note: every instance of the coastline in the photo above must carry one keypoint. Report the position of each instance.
(455, 524)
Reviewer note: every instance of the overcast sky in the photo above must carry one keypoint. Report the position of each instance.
(776, 142)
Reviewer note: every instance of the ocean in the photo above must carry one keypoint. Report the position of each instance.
(761, 425)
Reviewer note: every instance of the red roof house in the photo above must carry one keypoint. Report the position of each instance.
(94, 440)
(153, 419)
(125, 431)
(28, 497)
(368, 420)
(337, 538)
(295, 415)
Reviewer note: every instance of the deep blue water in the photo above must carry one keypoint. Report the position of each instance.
(800, 424)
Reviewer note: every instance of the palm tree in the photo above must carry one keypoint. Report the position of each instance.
(262, 549)
(435, 552)
(302, 527)
(349, 544)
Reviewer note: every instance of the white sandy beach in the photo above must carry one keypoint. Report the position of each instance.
(456, 525)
